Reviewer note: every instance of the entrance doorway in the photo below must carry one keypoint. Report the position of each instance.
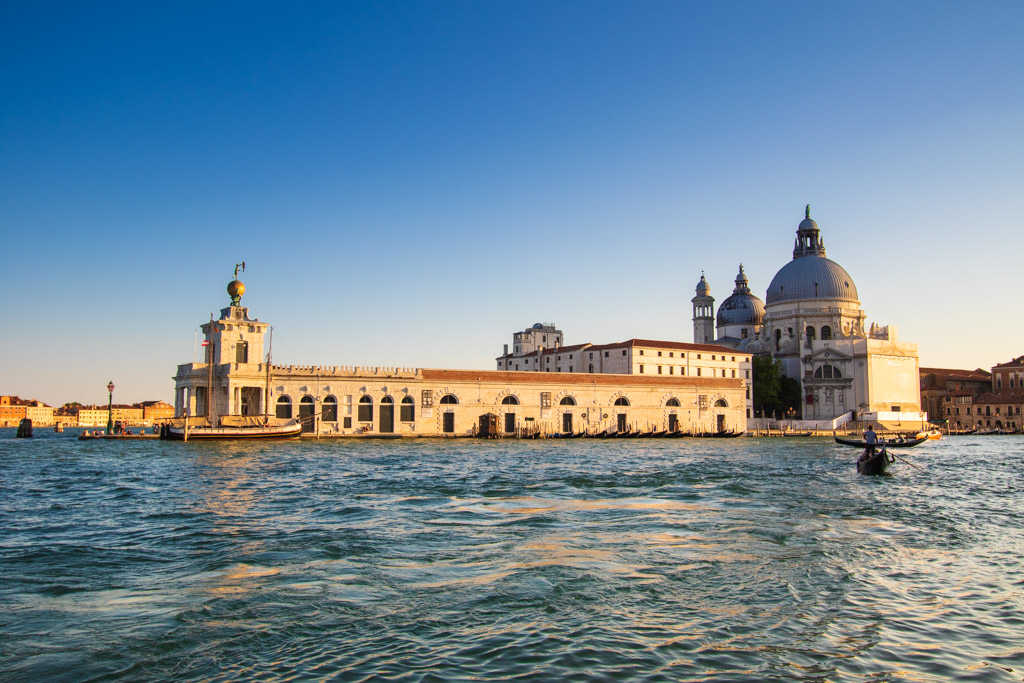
(306, 408)
(251, 401)
(567, 423)
(673, 423)
(721, 422)
(510, 423)
(621, 424)
(448, 423)
(387, 415)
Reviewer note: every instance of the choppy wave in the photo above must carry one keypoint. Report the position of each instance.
(756, 559)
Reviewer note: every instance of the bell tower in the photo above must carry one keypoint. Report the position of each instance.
(703, 314)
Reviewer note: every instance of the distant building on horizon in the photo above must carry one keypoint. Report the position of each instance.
(993, 405)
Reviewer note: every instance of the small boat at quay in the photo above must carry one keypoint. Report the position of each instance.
(859, 443)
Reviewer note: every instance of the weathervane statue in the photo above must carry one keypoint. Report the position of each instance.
(235, 288)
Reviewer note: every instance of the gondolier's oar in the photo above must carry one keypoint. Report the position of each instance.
(907, 461)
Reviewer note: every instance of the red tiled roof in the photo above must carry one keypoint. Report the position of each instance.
(713, 348)
(990, 397)
(635, 343)
(514, 377)
(1015, 363)
(948, 373)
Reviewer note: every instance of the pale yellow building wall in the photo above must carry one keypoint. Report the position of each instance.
(594, 396)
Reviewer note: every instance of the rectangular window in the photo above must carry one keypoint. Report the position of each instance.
(641, 369)
(659, 353)
(426, 398)
(641, 352)
(605, 354)
(408, 412)
(348, 423)
(242, 352)
(545, 399)
(698, 356)
(733, 373)
(659, 369)
(698, 372)
(624, 352)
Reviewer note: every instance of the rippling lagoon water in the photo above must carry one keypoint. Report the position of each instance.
(649, 560)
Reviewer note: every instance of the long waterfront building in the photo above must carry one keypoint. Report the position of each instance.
(234, 380)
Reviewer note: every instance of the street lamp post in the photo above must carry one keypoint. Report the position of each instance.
(110, 408)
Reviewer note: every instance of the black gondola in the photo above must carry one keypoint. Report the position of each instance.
(891, 444)
(876, 464)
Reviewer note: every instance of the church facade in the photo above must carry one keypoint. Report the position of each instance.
(812, 322)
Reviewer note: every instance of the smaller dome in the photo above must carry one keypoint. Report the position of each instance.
(538, 326)
(807, 224)
(742, 307)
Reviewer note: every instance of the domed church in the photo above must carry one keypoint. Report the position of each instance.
(812, 322)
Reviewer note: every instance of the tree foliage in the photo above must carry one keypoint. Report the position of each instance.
(774, 393)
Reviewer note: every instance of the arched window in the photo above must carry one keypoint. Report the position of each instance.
(307, 400)
(567, 401)
(408, 409)
(590, 368)
(622, 401)
(284, 408)
(365, 412)
(672, 403)
(330, 409)
(510, 401)
(826, 332)
(778, 339)
(810, 335)
(449, 399)
(388, 400)
(720, 403)
(828, 372)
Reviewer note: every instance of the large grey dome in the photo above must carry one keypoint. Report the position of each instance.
(742, 307)
(811, 277)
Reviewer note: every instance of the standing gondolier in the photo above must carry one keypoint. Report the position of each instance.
(871, 439)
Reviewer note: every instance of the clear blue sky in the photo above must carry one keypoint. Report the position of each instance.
(411, 182)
